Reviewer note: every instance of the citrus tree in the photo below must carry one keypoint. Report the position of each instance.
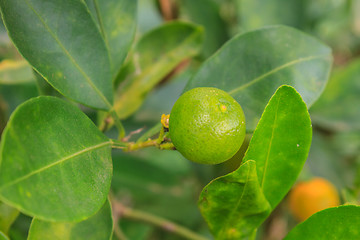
(106, 114)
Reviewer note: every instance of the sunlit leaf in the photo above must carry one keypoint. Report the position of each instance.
(55, 163)
(61, 41)
(280, 143)
(333, 223)
(116, 20)
(251, 66)
(233, 205)
(99, 226)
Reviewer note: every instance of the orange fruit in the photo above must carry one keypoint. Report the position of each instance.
(307, 198)
(207, 125)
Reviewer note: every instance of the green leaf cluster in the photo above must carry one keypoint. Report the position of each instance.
(57, 166)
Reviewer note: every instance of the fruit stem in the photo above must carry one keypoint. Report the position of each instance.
(118, 144)
(163, 223)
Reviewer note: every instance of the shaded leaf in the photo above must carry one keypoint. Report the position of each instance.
(14, 95)
(3, 114)
(280, 143)
(20, 228)
(156, 54)
(158, 182)
(61, 41)
(149, 16)
(44, 88)
(15, 72)
(116, 20)
(135, 230)
(326, 160)
(335, 109)
(207, 14)
(251, 66)
(99, 226)
(233, 205)
(258, 13)
(155, 105)
(7, 217)
(333, 223)
(56, 165)
(3, 236)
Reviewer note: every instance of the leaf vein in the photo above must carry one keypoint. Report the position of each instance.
(270, 144)
(87, 78)
(237, 204)
(54, 164)
(296, 61)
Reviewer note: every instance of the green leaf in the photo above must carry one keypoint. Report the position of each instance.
(99, 226)
(44, 88)
(20, 228)
(7, 217)
(336, 109)
(156, 54)
(3, 236)
(233, 205)
(135, 230)
(258, 13)
(116, 20)
(55, 164)
(3, 115)
(15, 72)
(251, 66)
(280, 143)
(207, 14)
(61, 41)
(333, 223)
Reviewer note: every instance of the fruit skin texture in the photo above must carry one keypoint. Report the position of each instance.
(307, 198)
(207, 125)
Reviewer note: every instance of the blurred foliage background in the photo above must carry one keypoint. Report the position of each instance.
(166, 184)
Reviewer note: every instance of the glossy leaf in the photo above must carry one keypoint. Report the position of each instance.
(3, 236)
(56, 165)
(336, 109)
(333, 223)
(61, 41)
(280, 143)
(99, 226)
(233, 205)
(253, 65)
(116, 20)
(15, 72)
(7, 216)
(156, 54)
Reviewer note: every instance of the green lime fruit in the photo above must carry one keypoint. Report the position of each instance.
(207, 125)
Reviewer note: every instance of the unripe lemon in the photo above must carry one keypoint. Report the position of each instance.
(307, 198)
(207, 125)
